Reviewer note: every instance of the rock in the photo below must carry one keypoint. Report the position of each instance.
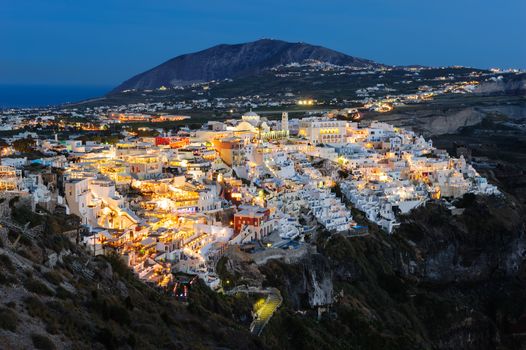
(52, 260)
(63, 254)
(68, 286)
(122, 289)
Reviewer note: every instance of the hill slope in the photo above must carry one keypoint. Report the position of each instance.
(77, 301)
(231, 61)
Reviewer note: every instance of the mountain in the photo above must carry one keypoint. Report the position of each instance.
(232, 61)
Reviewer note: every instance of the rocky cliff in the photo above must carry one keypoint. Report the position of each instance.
(450, 114)
(516, 85)
(442, 281)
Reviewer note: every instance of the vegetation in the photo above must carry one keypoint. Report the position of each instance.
(42, 342)
(8, 319)
(6, 263)
(26, 145)
(35, 286)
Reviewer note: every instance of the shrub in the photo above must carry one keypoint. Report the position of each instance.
(111, 310)
(5, 279)
(42, 342)
(119, 314)
(467, 201)
(36, 308)
(37, 287)
(23, 214)
(23, 254)
(63, 293)
(8, 320)
(119, 266)
(53, 277)
(58, 242)
(6, 262)
(393, 285)
(106, 337)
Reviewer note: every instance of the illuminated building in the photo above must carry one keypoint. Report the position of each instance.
(231, 150)
(322, 130)
(145, 166)
(170, 118)
(172, 141)
(9, 178)
(251, 117)
(130, 117)
(285, 122)
(252, 223)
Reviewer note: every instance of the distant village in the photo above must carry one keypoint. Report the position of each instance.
(411, 85)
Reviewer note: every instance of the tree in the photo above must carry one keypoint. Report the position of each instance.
(24, 145)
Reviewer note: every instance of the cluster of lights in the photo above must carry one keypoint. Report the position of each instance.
(308, 102)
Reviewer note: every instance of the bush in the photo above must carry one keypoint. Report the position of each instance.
(6, 279)
(106, 337)
(8, 320)
(35, 308)
(24, 214)
(58, 241)
(393, 285)
(37, 287)
(53, 277)
(467, 201)
(6, 262)
(63, 293)
(23, 254)
(119, 266)
(42, 342)
(119, 314)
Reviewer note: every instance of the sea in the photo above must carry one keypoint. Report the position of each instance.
(23, 96)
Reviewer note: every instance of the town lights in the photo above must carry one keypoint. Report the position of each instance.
(307, 102)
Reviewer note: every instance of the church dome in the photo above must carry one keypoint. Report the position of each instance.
(251, 114)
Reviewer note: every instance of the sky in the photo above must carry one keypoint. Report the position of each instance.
(104, 42)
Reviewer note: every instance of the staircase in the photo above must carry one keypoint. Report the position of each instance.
(263, 315)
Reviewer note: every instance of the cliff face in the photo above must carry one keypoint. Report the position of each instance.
(305, 284)
(449, 117)
(486, 241)
(441, 282)
(514, 86)
(231, 61)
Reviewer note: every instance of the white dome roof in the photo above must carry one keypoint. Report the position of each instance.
(251, 114)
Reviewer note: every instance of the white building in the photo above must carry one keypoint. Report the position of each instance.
(323, 130)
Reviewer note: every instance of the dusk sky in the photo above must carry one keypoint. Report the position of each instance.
(105, 42)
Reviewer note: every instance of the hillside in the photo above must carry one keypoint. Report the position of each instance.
(233, 61)
(56, 296)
